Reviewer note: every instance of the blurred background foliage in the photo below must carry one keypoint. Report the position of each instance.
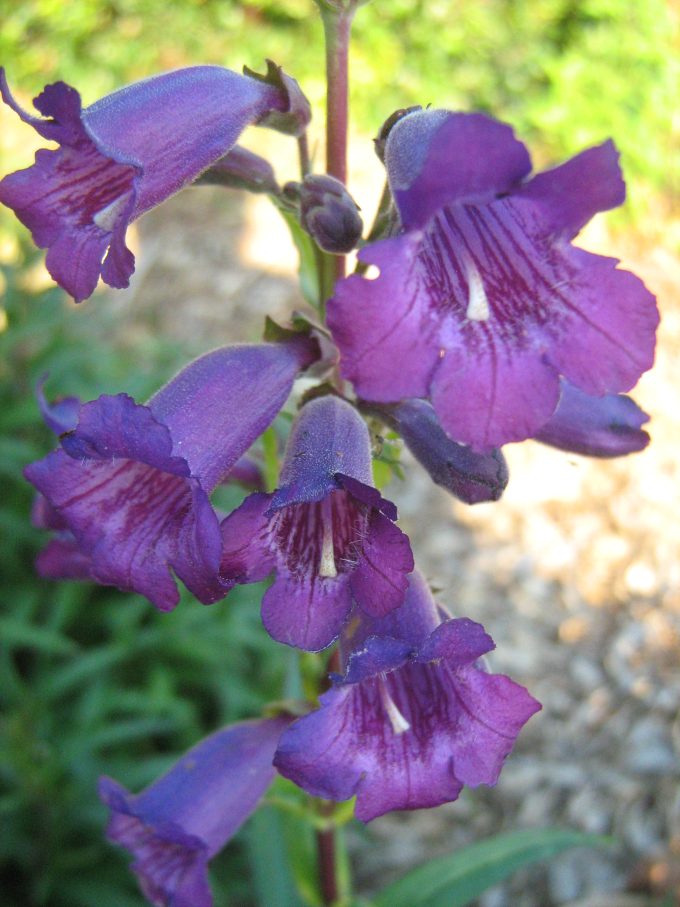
(566, 73)
(92, 681)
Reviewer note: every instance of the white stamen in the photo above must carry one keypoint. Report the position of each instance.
(478, 304)
(327, 566)
(397, 720)
(107, 217)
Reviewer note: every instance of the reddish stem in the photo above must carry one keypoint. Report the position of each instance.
(328, 876)
(337, 27)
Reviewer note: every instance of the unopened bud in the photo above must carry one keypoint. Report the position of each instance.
(329, 214)
(470, 476)
(241, 169)
(608, 426)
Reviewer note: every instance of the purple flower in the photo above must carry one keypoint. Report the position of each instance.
(473, 477)
(175, 826)
(482, 303)
(326, 532)
(123, 155)
(609, 426)
(129, 488)
(414, 717)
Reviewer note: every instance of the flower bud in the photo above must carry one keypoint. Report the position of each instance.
(609, 426)
(329, 214)
(241, 169)
(470, 476)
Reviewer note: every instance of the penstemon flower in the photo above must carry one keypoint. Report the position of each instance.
(131, 482)
(482, 303)
(326, 532)
(175, 826)
(125, 154)
(413, 718)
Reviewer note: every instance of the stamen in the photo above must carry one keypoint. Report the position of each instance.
(327, 566)
(107, 217)
(397, 720)
(478, 304)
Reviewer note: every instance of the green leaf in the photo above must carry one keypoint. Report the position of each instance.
(271, 458)
(269, 859)
(17, 634)
(309, 281)
(456, 879)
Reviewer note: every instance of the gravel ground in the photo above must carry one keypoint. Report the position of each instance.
(575, 573)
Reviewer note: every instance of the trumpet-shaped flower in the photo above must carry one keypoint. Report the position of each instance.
(123, 155)
(413, 718)
(482, 303)
(326, 532)
(175, 826)
(129, 487)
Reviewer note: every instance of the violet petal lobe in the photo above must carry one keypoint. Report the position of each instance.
(433, 159)
(609, 426)
(175, 826)
(120, 157)
(404, 732)
(386, 333)
(573, 193)
(326, 532)
(481, 304)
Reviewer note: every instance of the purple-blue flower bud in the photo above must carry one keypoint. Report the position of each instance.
(329, 214)
(241, 169)
(473, 477)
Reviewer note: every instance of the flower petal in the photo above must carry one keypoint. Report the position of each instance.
(306, 610)
(388, 337)
(380, 579)
(500, 396)
(131, 505)
(434, 158)
(328, 436)
(578, 189)
(604, 339)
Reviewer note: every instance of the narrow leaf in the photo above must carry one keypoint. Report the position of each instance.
(456, 879)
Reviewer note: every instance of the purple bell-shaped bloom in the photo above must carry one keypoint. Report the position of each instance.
(482, 303)
(175, 826)
(326, 532)
(413, 718)
(609, 426)
(123, 155)
(128, 490)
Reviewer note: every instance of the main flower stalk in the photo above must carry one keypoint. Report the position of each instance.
(337, 25)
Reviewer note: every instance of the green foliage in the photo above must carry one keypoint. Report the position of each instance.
(565, 72)
(458, 878)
